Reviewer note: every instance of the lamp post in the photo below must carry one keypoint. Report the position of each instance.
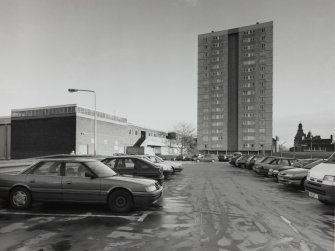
(95, 115)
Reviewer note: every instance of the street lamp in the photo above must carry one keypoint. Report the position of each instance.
(95, 115)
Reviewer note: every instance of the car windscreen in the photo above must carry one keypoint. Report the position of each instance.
(268, 160)
(331, 159)
(100, 169)
(302, 163)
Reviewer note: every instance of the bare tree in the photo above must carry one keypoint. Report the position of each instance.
(185, 137)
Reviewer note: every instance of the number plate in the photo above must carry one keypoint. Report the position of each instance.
(313, 195)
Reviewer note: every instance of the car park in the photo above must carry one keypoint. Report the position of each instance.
(207, 158)
(320, 182)
(134, 165)
(77, 180)
(297, 174)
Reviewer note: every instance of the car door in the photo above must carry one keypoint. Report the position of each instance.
(125, 166)
(77, 187)
(45, 181)
(145, 169)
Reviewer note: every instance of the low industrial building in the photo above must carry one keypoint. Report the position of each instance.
(67, 129)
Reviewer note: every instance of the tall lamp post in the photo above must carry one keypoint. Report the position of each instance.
(95, 115)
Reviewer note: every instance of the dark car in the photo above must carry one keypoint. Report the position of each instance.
(132, 165)
(265, 160)
(184, 158)
(242, 161)
(297, 175)
(252, 160)
(207, 158)
(275, 164)
(224, 157)
(234, 157)
(77, 180)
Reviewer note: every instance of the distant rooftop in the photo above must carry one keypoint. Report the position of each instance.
(63, 110)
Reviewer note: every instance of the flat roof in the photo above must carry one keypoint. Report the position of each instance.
(237, 29)
(63, 110)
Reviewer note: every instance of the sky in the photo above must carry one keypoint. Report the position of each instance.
(140, 56)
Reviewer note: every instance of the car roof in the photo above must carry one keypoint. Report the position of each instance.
(68, 159)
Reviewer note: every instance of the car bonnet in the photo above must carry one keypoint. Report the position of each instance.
(321, 170)
(132, 179)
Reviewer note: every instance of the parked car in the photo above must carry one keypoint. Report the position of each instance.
(207, 158)
(224, 157)
(173, 166)
(184, 158)
(252, 160)
(265, 160)
(320, 182)
(77, 180)
(297, 174)
(167, 168)
(133, 165)
(275, 164)
(242, 161)
(234, 157)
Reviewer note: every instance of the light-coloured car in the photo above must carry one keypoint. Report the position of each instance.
(77, 180)
(320, 182)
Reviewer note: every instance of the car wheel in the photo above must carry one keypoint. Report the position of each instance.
(198, 161)
(20, 198)
(120, 201)
(213, 161)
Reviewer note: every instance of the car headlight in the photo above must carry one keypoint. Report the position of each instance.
(270, 170)
(151, 188)
(329, 178)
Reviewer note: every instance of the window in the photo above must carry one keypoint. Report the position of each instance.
(110, 163)
(125, 164)
(262, 130)
(249, 130)
(73, 169)
(48, 169)
(205, 138)
(248, 137)
(248, 62)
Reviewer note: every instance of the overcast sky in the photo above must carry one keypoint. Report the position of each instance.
(140, 57)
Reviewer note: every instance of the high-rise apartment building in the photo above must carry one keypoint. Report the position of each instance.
(235, 89)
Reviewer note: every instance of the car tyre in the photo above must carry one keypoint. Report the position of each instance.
(212, 161)
(302, 185)
(197, 161)
(20, 198)
(120, 201)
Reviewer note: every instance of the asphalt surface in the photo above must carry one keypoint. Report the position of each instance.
(210, 206)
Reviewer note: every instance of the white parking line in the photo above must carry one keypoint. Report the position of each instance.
(142, 218)
(130, 217)
(289, 223)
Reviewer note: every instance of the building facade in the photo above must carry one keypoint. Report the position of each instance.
(235, 86)
(64, 129)
(307, 142)
(5, 128)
